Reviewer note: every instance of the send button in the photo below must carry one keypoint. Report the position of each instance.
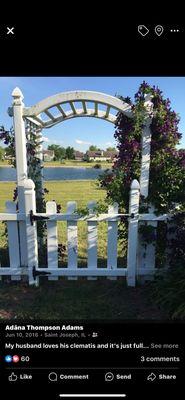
(124, 377)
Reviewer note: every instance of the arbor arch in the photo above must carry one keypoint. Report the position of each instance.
(50, 111)
(35, 115)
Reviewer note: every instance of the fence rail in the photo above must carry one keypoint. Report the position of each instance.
(77, 217)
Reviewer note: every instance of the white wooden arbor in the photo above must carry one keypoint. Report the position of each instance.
(45, 114)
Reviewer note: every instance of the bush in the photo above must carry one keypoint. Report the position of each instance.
(97, 166)
(168, 291)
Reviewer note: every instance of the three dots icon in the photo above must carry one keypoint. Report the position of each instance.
(174, 30)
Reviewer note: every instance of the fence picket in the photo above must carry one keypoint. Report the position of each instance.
(52, 239)
(171, 234)
(112, 238)
(92, 238)
(31, 230)
(13, 241)
(146, 254)
(72, 240)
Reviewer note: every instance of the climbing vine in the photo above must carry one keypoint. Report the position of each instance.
(166, 183)
(34, 163)
(34, 167)
(167, 175)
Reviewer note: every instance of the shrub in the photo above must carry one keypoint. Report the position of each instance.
(97, 166)
(168, 291)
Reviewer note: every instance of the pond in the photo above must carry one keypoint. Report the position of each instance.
(56, 173)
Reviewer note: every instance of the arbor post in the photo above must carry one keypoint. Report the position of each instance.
(39, 154)
(146, 146)
(146, 255)
(21, 165)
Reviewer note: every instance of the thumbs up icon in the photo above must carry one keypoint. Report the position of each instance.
(12, 377)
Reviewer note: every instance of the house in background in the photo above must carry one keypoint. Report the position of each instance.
(79, 156)
(48, 155)
(110, 155)
(101, 155)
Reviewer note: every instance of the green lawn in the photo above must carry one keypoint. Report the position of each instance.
(81, 299)
(6, 193)
(82, 192)
(4, 163)
(74, 163)
(62, 192)
(67, 163)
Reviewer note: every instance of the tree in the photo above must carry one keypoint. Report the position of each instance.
(93, 148)
(59, 151)
(2, 151)
(62, 152)
(111, 149)
(70, 153)
(9, 151)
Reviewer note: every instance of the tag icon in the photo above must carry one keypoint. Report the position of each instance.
(159, 30)
(143, 30)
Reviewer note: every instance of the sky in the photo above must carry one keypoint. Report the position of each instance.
(80, 133)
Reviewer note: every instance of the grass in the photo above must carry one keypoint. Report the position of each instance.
(82, 299)
(62, 192)
(4, 163)
(74, 163)
(6, 193)
(67, 163)
(82, 192)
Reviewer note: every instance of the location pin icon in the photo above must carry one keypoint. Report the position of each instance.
(159, 30)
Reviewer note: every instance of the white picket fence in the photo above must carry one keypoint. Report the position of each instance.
(136, 264)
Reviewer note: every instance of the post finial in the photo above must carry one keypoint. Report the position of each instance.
(148, 96)
(28, 184)
(17, 96)
(17, 93)
(135, 185)
(148, 102)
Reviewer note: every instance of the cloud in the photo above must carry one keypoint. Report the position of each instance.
(111, 144)
(57, 141)
(81, 141)
(51, 141)
(46, 139)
